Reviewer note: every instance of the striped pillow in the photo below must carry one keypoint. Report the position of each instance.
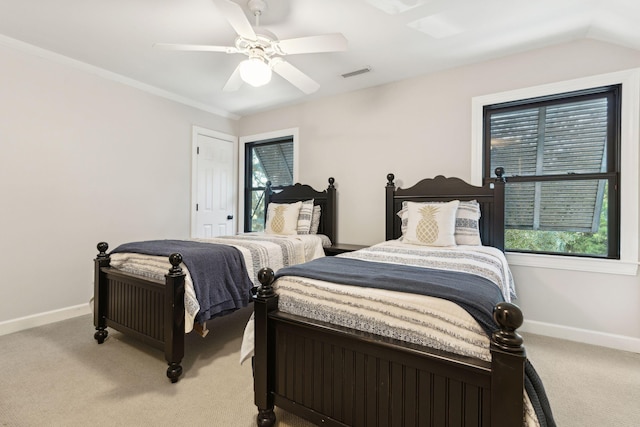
(304, 217)
(467, 224)
(315, 220)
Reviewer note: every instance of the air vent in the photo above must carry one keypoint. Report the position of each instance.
(356, 72)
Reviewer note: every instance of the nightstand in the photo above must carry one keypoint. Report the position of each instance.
(340, 248)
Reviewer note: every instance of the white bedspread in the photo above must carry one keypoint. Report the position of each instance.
(258, 249)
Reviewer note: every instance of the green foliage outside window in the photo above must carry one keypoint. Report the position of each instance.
(562, 242)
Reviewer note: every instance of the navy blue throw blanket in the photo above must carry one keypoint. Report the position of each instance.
(477, 295)
(218, 273)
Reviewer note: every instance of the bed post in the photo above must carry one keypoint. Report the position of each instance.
(331, 227)
(263, 369)
(497, 228)
(100, 293)
(174, 318)
(507, 365)
(268, 192)
(391, 188)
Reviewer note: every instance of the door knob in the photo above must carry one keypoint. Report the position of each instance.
(229, 216)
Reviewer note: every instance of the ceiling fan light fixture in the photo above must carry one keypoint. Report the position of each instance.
(255, 71)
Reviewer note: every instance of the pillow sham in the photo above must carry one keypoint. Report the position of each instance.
(304, 217)
(315, 220)
(282, 218)
(467, 222)
(431, 224)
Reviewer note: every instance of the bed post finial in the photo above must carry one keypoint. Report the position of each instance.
(509, 318)
(102, 249)
(500, 174)
(390, 178)
(175, 259)
(266, 277)
(331, 182)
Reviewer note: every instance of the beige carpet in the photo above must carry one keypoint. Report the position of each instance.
(57, 375)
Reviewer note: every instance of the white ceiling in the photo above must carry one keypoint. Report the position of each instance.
(394, 37)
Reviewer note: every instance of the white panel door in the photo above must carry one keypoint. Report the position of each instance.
(214, 193)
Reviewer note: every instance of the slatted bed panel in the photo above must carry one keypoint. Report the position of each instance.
(123, 308)
(355, 382)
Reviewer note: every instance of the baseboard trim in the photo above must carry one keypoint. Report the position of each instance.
(618, 342)
(28, 322)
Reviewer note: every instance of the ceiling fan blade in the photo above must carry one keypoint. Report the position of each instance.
(324, 43)
(295, 76)
(234, 82)
(196, 47)
(236, 17)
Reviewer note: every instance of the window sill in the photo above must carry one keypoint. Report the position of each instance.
(622, 267)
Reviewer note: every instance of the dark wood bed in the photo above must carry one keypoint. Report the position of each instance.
(332, 375)
(153, 311)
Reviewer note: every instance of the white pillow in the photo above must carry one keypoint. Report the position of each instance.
(431, 224)
(282, 218)
(467, 224)
(315, 220)
(304, 217)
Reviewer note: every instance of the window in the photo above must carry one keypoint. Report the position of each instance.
(629, 138)
(266, 160)
(561, 159)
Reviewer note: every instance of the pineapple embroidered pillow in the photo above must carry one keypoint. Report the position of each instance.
(282, 218)
(467, 222)
(431, 224)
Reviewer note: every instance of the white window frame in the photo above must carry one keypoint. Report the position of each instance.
(630, 139)
(244, 140)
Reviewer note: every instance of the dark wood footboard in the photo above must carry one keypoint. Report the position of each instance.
(336, 376)
(150, 310)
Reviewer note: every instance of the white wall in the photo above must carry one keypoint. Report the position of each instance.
(421, 127)
(83, 159)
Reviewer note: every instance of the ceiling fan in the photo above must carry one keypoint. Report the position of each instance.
(263, 49)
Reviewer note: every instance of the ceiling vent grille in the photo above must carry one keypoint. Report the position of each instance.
(357, 72)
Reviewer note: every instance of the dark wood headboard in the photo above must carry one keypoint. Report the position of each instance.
(299, 192)
(441, 189)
